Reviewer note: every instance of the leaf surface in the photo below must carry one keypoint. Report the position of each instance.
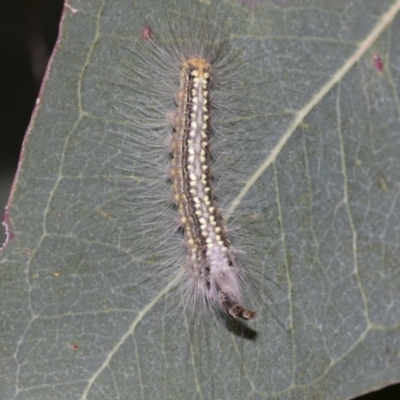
(321, 176)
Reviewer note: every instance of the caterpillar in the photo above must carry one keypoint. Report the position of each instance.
(187, 113)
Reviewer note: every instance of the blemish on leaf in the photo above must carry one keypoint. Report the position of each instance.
(104, 214)
(147, 33)
(6, 218)
(28, 252)
(378, 63)
(382, 184)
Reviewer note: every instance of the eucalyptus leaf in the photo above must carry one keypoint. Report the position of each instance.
(322, 180)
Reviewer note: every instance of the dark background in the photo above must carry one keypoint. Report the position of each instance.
(28, 31)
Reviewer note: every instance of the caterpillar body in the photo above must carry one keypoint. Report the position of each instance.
(186, 114)
(211, 270)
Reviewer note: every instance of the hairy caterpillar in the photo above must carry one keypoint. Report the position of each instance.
(211, 269)
(187, 110)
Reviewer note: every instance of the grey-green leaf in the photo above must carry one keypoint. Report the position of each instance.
(77, 321)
